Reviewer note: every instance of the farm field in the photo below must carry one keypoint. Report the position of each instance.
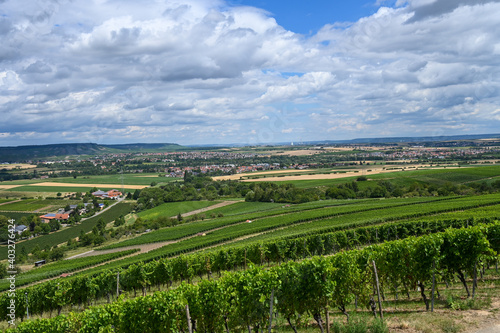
(83, 184)
(37, 205)
(281, 175)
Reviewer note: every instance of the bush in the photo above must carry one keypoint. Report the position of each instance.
(360, 325)
(459, 304)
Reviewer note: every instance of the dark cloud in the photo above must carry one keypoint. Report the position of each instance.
(38, 67)
(441, 7)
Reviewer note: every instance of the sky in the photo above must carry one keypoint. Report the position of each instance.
(246, 71)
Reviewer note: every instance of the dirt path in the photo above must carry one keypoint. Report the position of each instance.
(143, 248)
(360, 172)
(54, 184)
(9, 202)
(491, 329)
(202, 210)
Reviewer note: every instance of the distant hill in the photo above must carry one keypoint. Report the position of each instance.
(25, 153)
(409, 139)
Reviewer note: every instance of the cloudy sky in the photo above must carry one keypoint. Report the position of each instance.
(237, 71)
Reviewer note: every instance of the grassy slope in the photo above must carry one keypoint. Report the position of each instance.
(170, 209)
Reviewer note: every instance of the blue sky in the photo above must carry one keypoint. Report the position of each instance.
(246, 71)
(307, 17)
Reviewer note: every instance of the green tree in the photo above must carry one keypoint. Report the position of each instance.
(56, 254)
(3, 270)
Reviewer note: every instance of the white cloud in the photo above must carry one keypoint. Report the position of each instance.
(200, 71)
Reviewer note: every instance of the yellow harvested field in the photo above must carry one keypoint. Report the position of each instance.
(133, 187)
(148, 176)
(8, 187)
(360, 172)
(301, 152)
(17, 165)
(238, 175)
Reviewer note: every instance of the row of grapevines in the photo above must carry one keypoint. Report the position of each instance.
(85, 288)
(385, 215)
(242, 301)
(64, 266)
(296, 224)
(282, 216)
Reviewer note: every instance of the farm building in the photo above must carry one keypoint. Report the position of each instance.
(54, 216)
(112, 194)
(20, 228)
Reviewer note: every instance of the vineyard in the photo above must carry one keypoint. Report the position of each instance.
(255, 266)
(74, 231)
(246, 299)
(66, 266)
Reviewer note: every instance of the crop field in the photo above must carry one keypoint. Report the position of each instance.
(55, 188)
(293, 225)
(243, 207)
(128, 179)
(128, 182)
(440, 176)
(39, 205)
(347, 221)
(14, 215)
(3, 201)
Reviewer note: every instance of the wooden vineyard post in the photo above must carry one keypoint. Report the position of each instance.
(378, 291)
(117, 285)
(327, 317)
(433, 285)
(271, 312)
(245, 259)
(474, 281)
(190, 327)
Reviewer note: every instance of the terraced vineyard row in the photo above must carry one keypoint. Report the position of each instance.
(345, 221)
(278, 217)
(385, 215)
(243, 299)
(64, 266)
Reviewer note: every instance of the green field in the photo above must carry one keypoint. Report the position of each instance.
(5, 200)
(171, 209)
(58, 189)
(14, 215)
(126, 179)
(31, 205)
(106, 182)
